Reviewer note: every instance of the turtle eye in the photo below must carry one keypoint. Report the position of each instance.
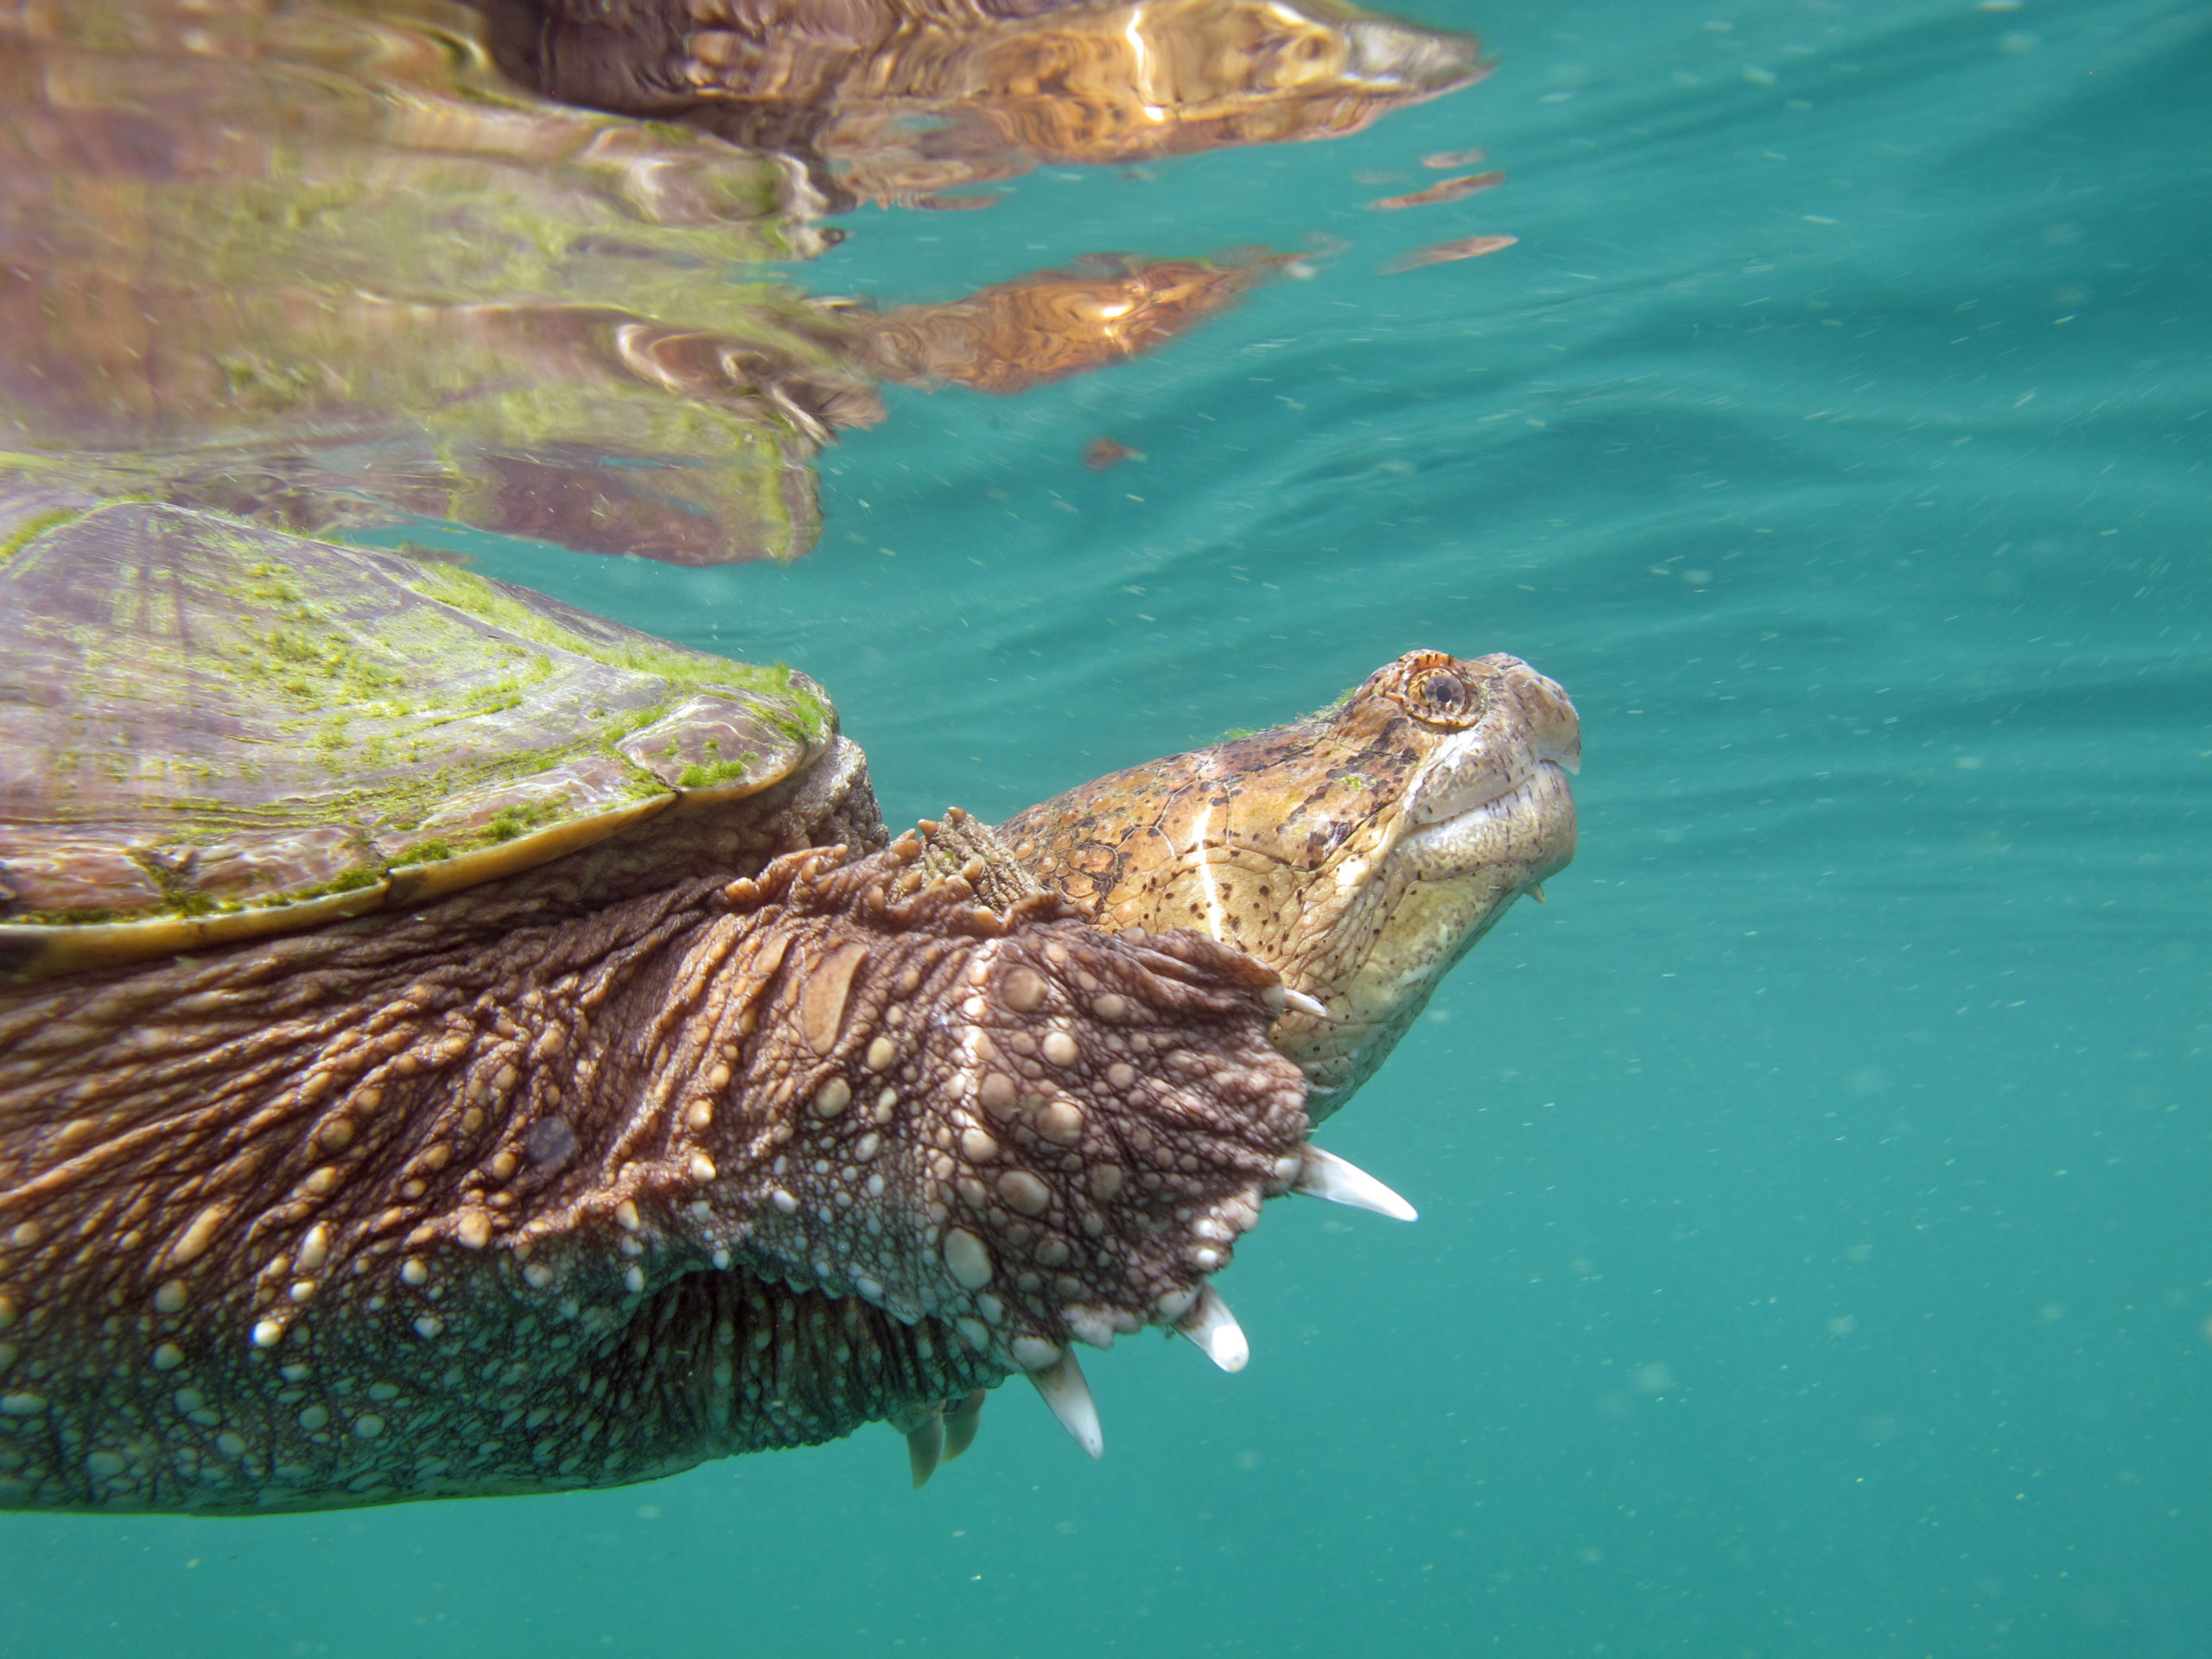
(1442, 699)
(1428, 685)
(1441, 694)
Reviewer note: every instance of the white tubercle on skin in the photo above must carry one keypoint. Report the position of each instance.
(1327, 1176)
(1035, 1353)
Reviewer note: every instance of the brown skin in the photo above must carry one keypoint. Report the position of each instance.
(1360, 851)
(537, 1190)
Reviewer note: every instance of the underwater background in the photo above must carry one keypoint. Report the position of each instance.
(1814, 1259)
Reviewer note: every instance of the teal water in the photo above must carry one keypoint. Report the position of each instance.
(1814, 1260)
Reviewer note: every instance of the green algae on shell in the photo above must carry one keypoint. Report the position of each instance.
(210, 731)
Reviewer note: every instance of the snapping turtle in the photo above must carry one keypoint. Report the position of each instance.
(453, 1044)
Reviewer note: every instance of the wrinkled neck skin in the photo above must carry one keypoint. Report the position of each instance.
(530, 1192)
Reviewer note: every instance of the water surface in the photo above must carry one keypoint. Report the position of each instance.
(1813, 1261)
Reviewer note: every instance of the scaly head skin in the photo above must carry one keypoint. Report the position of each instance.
(1360, 851)
(538, 1189)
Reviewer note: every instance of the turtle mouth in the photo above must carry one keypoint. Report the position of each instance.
(1482, 773)
(1478, 795)
(1525, 820)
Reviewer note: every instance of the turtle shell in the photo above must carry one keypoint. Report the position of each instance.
(210, 731)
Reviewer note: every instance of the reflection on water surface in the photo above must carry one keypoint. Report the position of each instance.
(332, 267)
(894, 101)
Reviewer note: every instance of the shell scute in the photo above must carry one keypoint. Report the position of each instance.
(210, 731)
(71, 876)
(711, 743)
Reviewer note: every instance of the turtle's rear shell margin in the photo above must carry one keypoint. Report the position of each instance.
(210, 731)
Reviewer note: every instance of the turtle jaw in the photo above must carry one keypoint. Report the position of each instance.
(1526, 832)
(1426, 905)
(1488, 817)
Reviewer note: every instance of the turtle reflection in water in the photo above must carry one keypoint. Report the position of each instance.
(327, 267)
(455, 1045)
(893, 101)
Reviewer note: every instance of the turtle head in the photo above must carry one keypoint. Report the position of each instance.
(1359, 852)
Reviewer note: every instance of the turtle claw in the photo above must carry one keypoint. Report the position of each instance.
(1301, 1004)
(1324, 1175)
(936, 1434)
(961, 1422)
(1214, 1328)
(1064, 1390)
(925, 1446)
